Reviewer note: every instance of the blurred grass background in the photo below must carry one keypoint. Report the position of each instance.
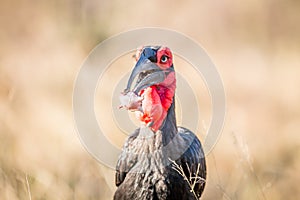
(255, 45)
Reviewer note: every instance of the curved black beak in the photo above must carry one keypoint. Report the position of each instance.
(148, 72)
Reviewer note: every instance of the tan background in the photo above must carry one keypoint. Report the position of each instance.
(254, 43)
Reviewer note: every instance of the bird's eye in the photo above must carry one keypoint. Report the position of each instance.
(164, 59)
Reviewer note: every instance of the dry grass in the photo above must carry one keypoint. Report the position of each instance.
(28, 187)
(246, 160)
(255, 45)
(191, 180)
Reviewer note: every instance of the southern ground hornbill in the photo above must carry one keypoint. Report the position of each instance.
(159, 160)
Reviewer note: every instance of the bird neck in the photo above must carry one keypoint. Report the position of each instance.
(169, 126)
(165, 134)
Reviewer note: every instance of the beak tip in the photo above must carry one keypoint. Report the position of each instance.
(125, 91)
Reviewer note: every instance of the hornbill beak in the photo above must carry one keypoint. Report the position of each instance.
(148, 72)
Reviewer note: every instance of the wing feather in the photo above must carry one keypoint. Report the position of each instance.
(193, 161)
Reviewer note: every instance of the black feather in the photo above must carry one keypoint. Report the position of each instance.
(146, 168)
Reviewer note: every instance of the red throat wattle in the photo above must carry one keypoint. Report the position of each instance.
(157, 100)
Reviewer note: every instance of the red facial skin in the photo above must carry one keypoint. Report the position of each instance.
(157, 99)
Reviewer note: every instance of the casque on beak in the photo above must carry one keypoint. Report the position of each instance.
(148, 72)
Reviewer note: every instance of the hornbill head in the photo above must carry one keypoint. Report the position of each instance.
(152, 93)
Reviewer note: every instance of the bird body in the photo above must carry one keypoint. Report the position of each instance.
(159, 160)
